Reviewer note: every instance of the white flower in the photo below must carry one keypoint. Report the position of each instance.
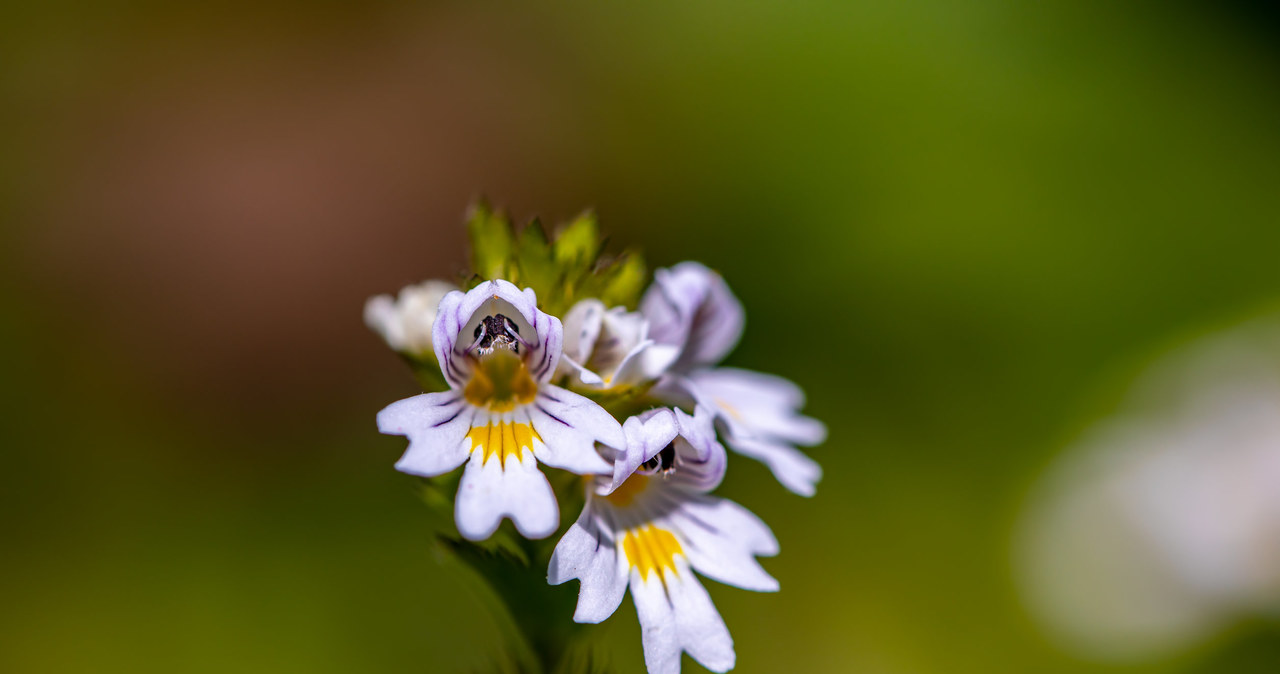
(501, 417)
(610, 349)
(1163, 527)
(651, 529)
(405, 321)
(691, 307)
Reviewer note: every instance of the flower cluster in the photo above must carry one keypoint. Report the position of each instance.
(623, 388)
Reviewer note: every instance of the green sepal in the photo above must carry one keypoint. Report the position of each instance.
(492, 241)
(427, 372)
(624, 280)
(621, 403)
(561, 270)
(578, 244)
(535, 264)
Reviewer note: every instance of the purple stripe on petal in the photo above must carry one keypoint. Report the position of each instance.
(455, 416)
(711, 528)
(544, 411)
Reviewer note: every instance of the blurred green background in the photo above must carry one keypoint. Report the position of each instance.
(962, 227)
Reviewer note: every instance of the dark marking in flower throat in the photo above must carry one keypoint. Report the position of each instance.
(663, 461)
(499, 332)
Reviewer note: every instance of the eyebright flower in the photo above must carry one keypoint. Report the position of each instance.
(610, 349)
(405, 321)
(650, 527)
(501, 417)
(691, 307)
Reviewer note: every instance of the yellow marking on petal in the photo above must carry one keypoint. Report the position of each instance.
(651, 550)
(729, 409)
(503, 439)
(500, 382)
(629, 490)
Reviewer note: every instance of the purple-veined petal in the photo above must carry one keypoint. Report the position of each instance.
(459, 314)
(722, 540)
(570, 426)
(589, 553)
(701, 459)
(437, 426)
(444, 338)
(505, 487)
(691, 307)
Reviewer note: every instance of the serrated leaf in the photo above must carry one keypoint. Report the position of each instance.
(492, 242)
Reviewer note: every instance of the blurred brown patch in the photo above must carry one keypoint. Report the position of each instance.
(223, 213)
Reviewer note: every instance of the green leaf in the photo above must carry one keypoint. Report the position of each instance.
(492, 242)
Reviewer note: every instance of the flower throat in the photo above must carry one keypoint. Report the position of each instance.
(500, 379)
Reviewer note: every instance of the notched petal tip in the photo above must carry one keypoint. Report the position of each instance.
(491, 491)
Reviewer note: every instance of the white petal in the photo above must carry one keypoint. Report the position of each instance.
(645, 363)
(437, 425)
(381, 316)
(770, 390)
(646, 435)
(489, 492)
(722, 539)
(679, 617)
(588, 552)
(581, 327)
(793, 469)
(757, 404)
(417, 305)
(569, 426)
(570, 368)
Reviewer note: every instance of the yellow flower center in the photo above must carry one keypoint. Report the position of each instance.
(651, 550)
(503, 439)
(629, 490)
(500, 381)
